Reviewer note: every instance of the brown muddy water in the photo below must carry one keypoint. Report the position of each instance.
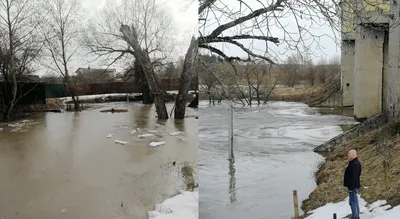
(64, 166)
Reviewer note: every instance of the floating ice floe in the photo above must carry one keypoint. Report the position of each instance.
(156, 144)
(146, 135)
(376, 210)
(1, 129)
(177, 133)
(15, 125)
(109, 136)
(133, 131)
(121, 142)
(182, 206)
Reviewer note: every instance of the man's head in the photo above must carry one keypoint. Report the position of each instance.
(352, 154)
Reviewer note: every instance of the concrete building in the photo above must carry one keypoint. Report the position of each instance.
(364, 70)
(393, 73)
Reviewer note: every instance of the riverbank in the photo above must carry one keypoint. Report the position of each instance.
(320, 95)
(374, 148)
(185, 205)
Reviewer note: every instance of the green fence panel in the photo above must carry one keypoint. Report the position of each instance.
(54, 90)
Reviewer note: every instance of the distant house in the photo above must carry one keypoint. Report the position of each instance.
(53, 79)
(28, 78)
(95, 75)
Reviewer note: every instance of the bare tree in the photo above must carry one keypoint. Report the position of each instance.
(263, 84)
(188, 72)
(292, 69)
(334, 65)
(61, 31)
(207, 81)
(112, 38)
(274, 24)
(142, 57)
(20, 46)
(322, 70)
(312, 72)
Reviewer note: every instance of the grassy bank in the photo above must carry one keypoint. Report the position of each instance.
(374, 148)
(312, 95)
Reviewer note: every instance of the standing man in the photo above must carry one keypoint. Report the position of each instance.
(352, 182)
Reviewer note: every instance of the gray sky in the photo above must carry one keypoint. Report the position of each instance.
(184, 22)
(324, 46)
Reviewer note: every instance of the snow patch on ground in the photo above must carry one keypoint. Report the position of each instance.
(182, 206)
(376, 210)
(92, 97)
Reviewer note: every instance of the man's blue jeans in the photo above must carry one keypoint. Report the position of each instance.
(353, 202)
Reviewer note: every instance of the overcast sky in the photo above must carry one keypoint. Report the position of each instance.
(184, 21)
(324, 46)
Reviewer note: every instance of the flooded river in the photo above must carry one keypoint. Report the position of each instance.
(273, 156)
(64, 166)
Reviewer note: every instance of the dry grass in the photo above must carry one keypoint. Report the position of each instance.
(297, 94)
(373, 149)
(312, 96)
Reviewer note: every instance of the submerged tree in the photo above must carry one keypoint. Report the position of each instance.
(62, 30)
(264, 29)
(135, 31)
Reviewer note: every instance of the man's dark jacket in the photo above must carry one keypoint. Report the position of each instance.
(352, 175)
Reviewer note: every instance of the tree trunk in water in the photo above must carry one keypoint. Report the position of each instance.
(143, 58)
(144, 86)
(74, 97)
(195, 101)
(12, 102)
(186, 78)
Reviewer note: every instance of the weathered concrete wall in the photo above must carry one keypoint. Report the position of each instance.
(393, 76)
(368, 72)
(368, 125)
(347, 72)
(385, 70)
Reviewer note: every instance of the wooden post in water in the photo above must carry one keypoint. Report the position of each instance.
(296, 205)
(334, 216)
(231, 156)
(386, 167)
